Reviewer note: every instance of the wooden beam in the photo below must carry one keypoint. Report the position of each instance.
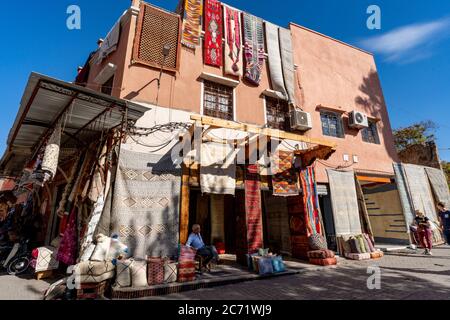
(184, 210)
(220, 123)
(374, 179)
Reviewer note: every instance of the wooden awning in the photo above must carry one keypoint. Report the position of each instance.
(317, 148)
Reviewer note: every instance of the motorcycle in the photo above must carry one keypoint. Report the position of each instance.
(20, 260)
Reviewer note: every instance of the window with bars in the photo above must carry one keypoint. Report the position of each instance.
(217, 100)
(277, 112)
(370, 134)
(332, 124)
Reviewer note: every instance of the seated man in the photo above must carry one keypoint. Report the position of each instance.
(195, 240)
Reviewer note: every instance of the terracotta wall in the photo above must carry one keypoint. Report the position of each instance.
(329, 73)
(337, 76)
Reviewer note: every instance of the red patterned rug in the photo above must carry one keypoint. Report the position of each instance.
(253, 209)
(213, 33)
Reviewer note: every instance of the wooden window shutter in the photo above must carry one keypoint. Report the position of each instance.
(155, 29)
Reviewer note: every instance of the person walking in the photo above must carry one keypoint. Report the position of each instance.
(423, 224)
(444, 217)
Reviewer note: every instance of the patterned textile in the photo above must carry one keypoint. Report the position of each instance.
(155, 271)
(369, 242)
(187, 254)
(275, 66)
(405, 197)
(317, 242)
(278, 264)
(420, 191)
(321, 254)
(355, 245)
(68, 249)
(218, 168)
(344, 202)
(297, 227)
(51, 153)
(255, 261)
(186, 271)
(145, 206)
(323, 262)
(170, 272)
(192, 23)
(265, 266)
(366, 244)
(46, 259)
(358, 256)
(213, 33)
(287, 62)
(84, 278)
(123, 273)
(233, 46)
(93, 268)
(343, 244)
(253, 48)
(253, 209)
(439, 185)
(138, 269)
(285, 182)
(361, 243)
(263, 252)
(376, 255)
(311, 200)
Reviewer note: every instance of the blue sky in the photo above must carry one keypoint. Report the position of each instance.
(412, 49)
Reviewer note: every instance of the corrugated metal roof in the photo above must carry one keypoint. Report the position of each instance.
(45, 100)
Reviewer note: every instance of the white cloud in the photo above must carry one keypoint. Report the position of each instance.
(409, 43)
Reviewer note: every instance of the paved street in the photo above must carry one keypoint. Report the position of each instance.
(404, 275)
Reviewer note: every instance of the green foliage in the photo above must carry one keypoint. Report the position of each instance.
(416, 133)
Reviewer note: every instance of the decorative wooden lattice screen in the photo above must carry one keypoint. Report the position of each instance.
(157, 28)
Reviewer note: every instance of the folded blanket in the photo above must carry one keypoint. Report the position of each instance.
(46, 259)
(123, 277)
(358, 256)
(354, 245)
(320, 254)
(361, 243)
(138, 269)
(265, 266)
(324, 262)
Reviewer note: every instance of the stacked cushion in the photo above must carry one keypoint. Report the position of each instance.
(265, 266)
(186, 271)
(323, 262)
(317, 242)
(94, 271)
(358, 256)
(187, 254)
(376, 255)
(170, 272)
(155, 271)
(123, 273)
(138, 269)
(278, 264)
(320, 254)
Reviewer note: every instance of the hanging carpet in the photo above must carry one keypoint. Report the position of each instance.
(439, 184)
(145, 203)
(400, 179)
(274, 54)
(284, 176)
(233, 38)
(213, 33)
(254, 48)
(311, 200)
(253, 209)
(287, 62)
(344, 202)
(192, 23)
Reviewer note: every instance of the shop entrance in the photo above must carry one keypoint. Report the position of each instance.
(217, 216)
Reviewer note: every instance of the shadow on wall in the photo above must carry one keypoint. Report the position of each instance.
(372, 101)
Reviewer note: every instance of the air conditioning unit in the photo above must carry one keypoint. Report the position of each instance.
(300, 120)
(358, 120)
